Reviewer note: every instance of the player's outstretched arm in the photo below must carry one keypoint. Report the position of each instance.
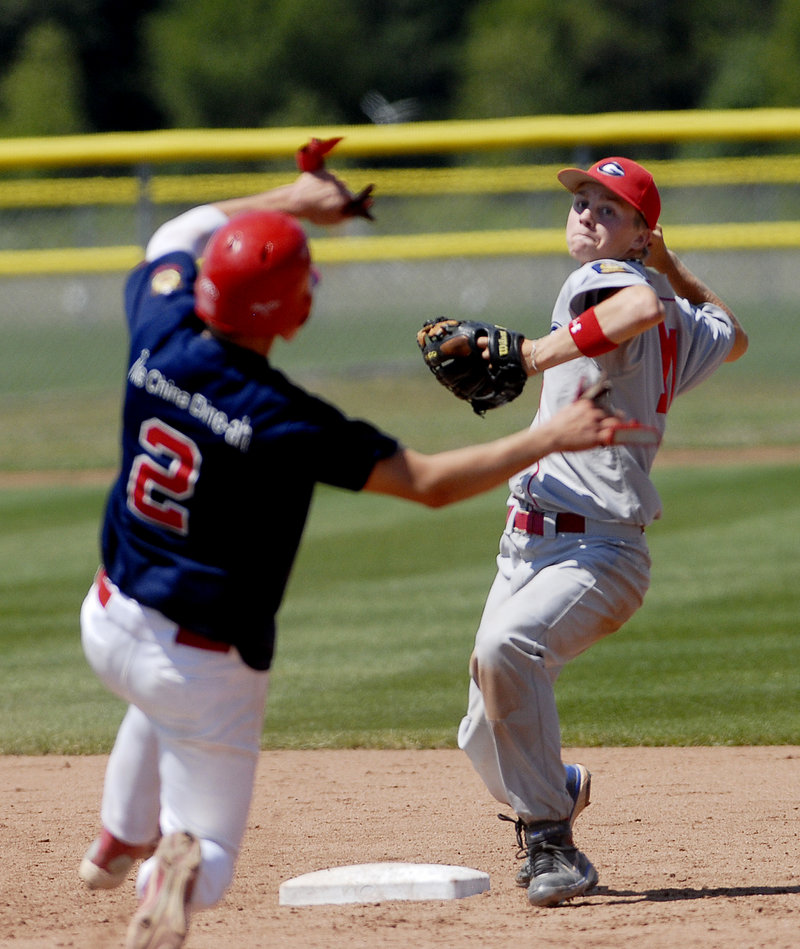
(319, 197)
(316, 195)
(449, 476)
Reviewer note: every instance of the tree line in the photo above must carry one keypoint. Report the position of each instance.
(75, 66)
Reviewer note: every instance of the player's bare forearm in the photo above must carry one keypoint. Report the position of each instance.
(681, 279)
(689, 286)
(319, 197)
(444, 478)
(630, 311)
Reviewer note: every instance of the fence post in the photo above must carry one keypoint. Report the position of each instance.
(145, 218)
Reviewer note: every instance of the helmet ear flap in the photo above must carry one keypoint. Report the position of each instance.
(255, 277)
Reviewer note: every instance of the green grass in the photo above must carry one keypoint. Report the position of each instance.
(49, 701)
(376, 631)
(712, 657)
(375, 634)
(60, 389)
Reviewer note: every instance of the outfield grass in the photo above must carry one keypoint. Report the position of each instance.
(60, 389)
(377, 627)
(378, 624)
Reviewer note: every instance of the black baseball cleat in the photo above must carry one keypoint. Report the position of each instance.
(559, 871)
(579, 784)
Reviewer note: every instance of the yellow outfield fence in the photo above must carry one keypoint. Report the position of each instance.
(507, 243)
(414, 138)
(133, 182)
(394, 182)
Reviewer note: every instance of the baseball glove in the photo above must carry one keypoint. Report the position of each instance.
(451, 351)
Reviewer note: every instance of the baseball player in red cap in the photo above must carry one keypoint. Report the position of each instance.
(220, 457)
(573, 564)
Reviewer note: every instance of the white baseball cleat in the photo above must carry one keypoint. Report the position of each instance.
(162, 920)
(108, 861)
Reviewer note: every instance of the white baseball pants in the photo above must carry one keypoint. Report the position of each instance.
(186, 752)
(551, 599)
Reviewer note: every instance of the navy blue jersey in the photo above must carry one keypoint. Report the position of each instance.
(220, 456)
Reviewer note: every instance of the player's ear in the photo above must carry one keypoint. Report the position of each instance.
(640, 242)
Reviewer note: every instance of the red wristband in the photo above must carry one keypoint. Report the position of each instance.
(587, 335)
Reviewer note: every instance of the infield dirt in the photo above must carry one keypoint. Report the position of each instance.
(696, 847)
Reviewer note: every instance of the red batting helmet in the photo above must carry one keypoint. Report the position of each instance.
(255, 278)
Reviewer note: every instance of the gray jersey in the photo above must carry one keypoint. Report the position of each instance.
(646, 373)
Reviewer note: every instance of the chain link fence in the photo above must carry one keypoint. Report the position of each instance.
(482, 238)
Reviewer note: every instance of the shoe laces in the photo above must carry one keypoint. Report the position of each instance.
(543, 844)
(549, 857)
(519, 830)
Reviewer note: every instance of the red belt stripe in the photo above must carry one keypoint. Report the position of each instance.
(533, 522)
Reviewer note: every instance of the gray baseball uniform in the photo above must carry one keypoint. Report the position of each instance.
(573, 564)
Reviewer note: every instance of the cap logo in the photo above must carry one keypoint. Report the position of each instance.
(612, 168)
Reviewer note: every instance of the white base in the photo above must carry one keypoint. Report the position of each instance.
(377, 882)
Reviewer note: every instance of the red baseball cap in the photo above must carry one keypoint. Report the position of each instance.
(627, 179)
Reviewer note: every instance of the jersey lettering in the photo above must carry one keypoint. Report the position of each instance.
(669, 360)
(164, 474)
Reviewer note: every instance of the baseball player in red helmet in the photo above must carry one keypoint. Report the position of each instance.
(220, 456)
(573, 563)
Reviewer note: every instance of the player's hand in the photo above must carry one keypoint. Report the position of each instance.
(658, 256)
(582, 424)
(322, 198)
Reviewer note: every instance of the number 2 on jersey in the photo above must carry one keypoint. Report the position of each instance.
(163, 475)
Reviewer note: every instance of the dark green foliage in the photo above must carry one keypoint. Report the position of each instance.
(199, 63)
